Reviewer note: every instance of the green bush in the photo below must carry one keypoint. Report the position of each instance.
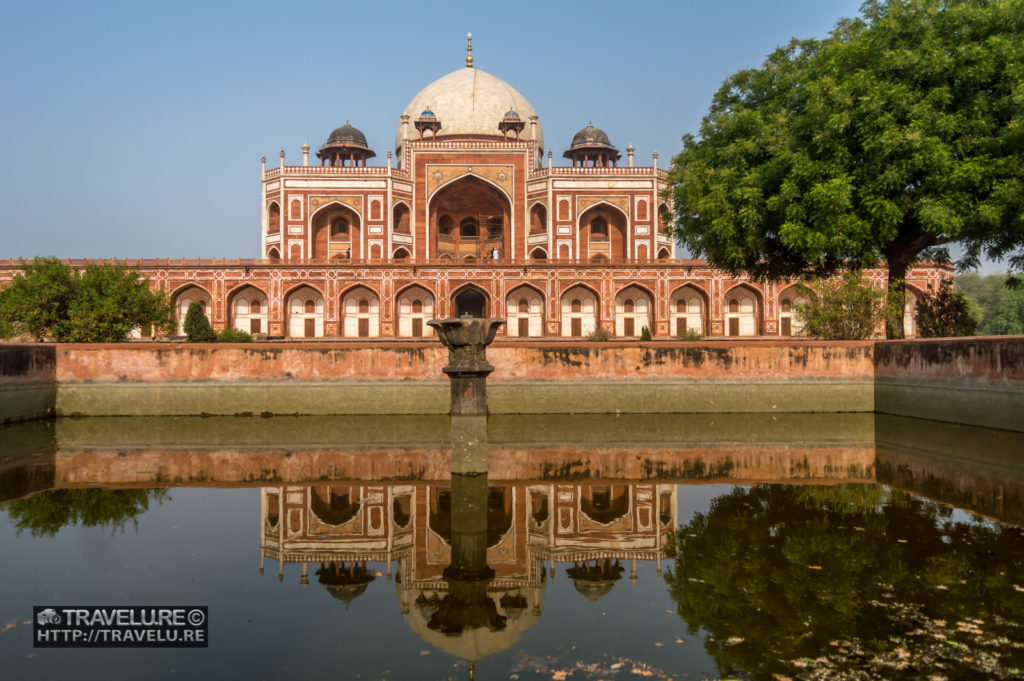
(690, 335)
(197, 326)
(944, 313)
(231, 335)
(599, 334)
(841, 309)
(645, 334)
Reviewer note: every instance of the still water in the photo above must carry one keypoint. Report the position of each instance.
(766, 547)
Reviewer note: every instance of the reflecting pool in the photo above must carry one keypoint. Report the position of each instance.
(662, 547)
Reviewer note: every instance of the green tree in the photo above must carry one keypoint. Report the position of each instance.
(1008, 315)
(112, 300)
(899, 133)
(45, 513)
(840, 309)
(645, 334)
(197, 326)
(48, 299)
(944, 313)
(232, 335)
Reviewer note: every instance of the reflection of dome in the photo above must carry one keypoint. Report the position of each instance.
(472, 643)
(468, 102)
(591, 137)
(594, 581)
(346, 583)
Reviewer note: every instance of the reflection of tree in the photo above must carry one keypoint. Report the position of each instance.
(844, 575)
(44, 514)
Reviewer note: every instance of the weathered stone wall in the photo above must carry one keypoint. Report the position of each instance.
(975, 381)
(28, 388)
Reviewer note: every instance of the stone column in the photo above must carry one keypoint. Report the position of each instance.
(467, 340)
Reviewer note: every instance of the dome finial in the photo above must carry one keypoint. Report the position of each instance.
(469, 50)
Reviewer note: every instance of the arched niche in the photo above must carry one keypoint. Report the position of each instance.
(273, 218)
(337, 233)
(538, 254)
(742, 306)
(360, 310)
(605, 504)
(470, 217)
(334, 504)
(273, 254)
(688, 309)
(184, 297)
(602, 231)
(913, 295)
(470, 301)
(524, 309)
(401, 254)
(579, 311)
(790, 323)
(415, 308)
(250, 309)
(538, 219)
(632, 312)
(401, 219)
(305, 308)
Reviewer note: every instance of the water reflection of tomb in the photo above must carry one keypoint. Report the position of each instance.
(592, 530)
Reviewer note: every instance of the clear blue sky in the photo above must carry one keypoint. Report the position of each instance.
(135, 128)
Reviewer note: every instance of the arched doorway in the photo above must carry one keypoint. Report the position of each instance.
(361, 313)
(741, 312)
(525, 311)
(579, 312)
(470, 302)
(602, 232)
(186, 297)
(910, 313)
(249, 308)
(305, 313)
(470, 217)
(632, 312)
(687, 307)
(789, 323)
(336, 233)
(415, 307)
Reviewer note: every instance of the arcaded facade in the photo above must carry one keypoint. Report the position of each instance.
(470, 216)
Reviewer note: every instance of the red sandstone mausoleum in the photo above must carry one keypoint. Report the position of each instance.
(471, 216)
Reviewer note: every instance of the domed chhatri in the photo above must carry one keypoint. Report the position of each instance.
(470, 103)
(345, 146)
(591, 147)
(511, 122)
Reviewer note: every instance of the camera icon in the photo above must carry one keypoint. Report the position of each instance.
(48, 616)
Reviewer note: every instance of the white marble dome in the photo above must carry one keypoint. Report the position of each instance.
(469, 102)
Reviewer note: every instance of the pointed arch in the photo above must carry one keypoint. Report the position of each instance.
(789, 323)
(415, 305)
(273, 218)
(538, 254)
(581, 309)
(602, 231)
(184, 296)
(304, 306)
(469, 216)
(913, 296)
(360, 312)
(524, 309)
(633, 310)
(664, 254)
(273, 254)
(470, 300)
(538, 218)
(400, 254)
(336, 231)
(743, 307)
(401, 218)
(688, 310)
(248, 309)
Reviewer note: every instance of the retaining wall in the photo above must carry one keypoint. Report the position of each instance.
(979, 381)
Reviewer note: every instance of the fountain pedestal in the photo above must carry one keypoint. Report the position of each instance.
(467, 340)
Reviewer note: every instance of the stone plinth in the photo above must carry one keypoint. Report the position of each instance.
(467, 340)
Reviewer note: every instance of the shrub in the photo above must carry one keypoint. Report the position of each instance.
(944, 313)
(197, 326)
(689, 335)
(599, 334)
(645, 334)
(841, 309)
(231, 335)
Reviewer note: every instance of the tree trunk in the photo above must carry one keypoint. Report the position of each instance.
(895, 297)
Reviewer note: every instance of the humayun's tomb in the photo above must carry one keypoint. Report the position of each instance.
(470, 216)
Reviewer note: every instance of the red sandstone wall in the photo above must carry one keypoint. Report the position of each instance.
(163, 362)
(997, 360)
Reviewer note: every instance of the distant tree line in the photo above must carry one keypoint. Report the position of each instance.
(997, 309)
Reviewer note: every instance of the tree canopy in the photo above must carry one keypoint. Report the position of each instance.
(102, 303)
(901, 132)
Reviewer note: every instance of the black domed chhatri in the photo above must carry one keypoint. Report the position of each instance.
(591, 146)
(591, 137)
(346, 145)
(347, 135)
